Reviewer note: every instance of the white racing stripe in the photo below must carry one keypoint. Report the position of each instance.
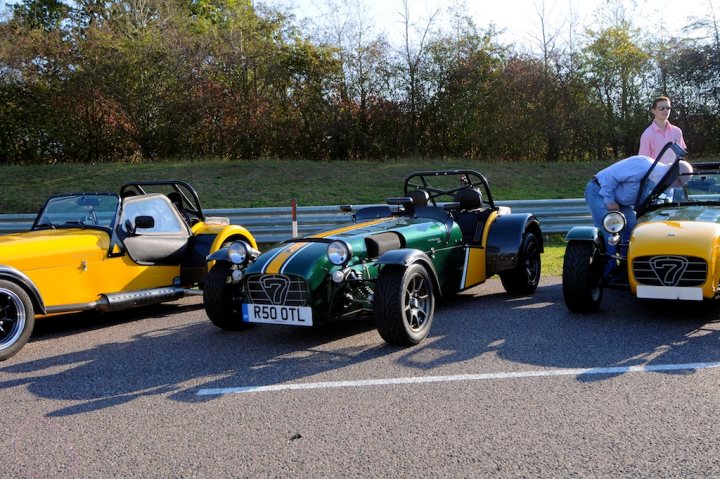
(459, 377)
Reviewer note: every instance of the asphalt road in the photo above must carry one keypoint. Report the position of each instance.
(503, 387)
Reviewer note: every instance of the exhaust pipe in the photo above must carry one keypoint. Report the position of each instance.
(133, 299)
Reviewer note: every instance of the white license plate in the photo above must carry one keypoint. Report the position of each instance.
(271, 314)
(669, 292)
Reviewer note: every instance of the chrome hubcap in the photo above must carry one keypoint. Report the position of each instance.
(417, 302)
(12, 318)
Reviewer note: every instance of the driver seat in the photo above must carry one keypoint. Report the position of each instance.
(419, 197)
(177, 201)
(471, 215)
(470, 199)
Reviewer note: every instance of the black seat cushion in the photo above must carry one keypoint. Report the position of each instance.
(469, 199)
(419, 197)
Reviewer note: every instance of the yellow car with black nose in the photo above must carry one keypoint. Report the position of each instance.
(107, 251)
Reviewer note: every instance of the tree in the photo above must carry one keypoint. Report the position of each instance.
(616, 67)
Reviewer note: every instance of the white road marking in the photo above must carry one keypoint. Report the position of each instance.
(460, 377)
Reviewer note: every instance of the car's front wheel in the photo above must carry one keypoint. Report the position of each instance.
(404, 304)
(524, 278)
(582, 277)
(221, 298)
(17, 319)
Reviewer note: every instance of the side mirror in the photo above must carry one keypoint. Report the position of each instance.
(144, 222)
(140, 222)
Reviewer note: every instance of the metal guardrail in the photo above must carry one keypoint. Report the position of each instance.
(270, 225)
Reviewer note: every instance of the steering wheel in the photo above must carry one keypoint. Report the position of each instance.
(90, 218)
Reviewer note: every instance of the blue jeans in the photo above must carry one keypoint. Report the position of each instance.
(598, 210)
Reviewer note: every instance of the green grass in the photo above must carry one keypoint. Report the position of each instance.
(552, 258)
(243, 184)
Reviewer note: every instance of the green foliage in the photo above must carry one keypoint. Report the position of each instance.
(126, 80)
(616, 68)
(40, 14)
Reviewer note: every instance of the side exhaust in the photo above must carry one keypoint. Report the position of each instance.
(133, 299)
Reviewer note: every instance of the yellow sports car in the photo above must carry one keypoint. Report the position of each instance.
(673, 252)
(107, 251)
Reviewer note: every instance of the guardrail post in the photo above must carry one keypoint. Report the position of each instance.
(294, 218)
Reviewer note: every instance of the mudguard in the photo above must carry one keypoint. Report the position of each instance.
(229, 232)
(209, 240)
(405, 257)
(589, 233)
(219, 255)
(16, 276)
(505, 238)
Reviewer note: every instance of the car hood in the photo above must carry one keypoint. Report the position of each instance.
(701, 213)
(308, 258)
(677, 233)
(52, 248)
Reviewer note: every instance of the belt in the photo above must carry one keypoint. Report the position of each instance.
(595, 180)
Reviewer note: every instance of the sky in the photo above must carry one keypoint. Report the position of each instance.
(519, 18)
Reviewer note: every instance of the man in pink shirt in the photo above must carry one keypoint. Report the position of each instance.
(660, 131)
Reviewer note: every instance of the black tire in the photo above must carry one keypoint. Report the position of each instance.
(404, 304)
(17, 319)
(221, 298)
(582, 277)
(524, 278)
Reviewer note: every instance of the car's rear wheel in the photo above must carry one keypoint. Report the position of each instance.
(17, 319)
(582, 277)
(222, 298)
(524, 278)
(404, 304)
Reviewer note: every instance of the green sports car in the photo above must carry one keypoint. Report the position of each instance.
(392, 262)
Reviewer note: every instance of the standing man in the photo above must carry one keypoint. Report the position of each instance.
(660, 132)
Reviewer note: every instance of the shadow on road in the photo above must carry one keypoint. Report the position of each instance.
(538, 331)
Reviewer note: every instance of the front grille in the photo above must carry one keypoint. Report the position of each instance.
(277, 289)
(670, 270)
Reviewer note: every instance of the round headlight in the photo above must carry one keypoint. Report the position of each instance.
(614, 222)
(237, 252)
(339, 253)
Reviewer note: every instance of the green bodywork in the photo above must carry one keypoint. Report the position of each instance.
(445, 253)
(433, 239)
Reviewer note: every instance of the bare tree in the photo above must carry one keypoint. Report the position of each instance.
(414, 41)
(548, 37)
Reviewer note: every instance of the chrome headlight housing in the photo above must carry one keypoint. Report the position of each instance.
(339, 253)
(614, 222)
(238, 252)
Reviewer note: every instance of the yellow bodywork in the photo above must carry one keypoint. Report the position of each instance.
(74, 266)
(682, 238)
(474, 269)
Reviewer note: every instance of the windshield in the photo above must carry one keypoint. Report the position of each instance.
(93, 210)
(662, 177)
(703, 185)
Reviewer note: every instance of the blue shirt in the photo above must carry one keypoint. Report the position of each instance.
(620, 182)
